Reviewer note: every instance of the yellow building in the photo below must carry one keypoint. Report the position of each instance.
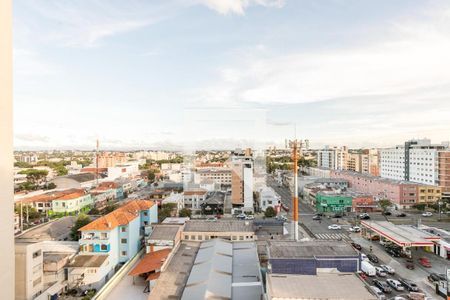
(428, 193)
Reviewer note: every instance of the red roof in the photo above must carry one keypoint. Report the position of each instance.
(151, 262)
(121, 216)
(55, 195)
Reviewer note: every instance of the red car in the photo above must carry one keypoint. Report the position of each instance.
(425, 262)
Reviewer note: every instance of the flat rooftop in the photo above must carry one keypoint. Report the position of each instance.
(164, 232)
(321, 286)
(52, 231)
(402, 235)
(292, 249)
(88, 261)
(218, 226)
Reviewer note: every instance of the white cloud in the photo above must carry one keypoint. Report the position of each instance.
(238, 7)
(411, 58)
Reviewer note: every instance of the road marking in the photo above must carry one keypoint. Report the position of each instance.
(331, 236)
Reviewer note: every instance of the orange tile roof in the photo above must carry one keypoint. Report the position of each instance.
(55, 195)
(152, 261)
(153, 276)
(121, 216)
(195, 192)
(106, 186)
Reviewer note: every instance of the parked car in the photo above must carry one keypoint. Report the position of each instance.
(317, 217)
(383, 286)
(368, 268)
(410, 266)
(364, 216)
(401, 215)
(355, 229)
(386, 213)
(425, 262)
(319, 214)
(211, 219)
(409, 285)
(241, 216)
(357, 246)
(375, 238)
(435, 277)
(249, 217)
(364, 257)
(337, 216)
(427, 214)
(372, 257)
(388, 269)
(334, 227)
(392, 252)
(395, 284)
(380, 272)
(380, 295)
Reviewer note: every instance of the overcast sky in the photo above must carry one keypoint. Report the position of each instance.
(220, 74)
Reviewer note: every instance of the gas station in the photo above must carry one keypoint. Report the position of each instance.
(405, 236)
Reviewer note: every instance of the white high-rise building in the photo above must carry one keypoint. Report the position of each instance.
(332, 158)
(416, 160)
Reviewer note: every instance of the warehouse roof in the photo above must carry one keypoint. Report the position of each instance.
(164, 232)
(218, 226)
(321, 286)
(291, 249)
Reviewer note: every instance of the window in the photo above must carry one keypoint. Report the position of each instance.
(123, 241)
(37, 254)
(124, 253)
(37, 281)
(103, 235)
(241, 238)
(103, 247)
(186, 237)
(123, 229)
(145, 213)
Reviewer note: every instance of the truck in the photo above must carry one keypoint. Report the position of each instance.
(368, 268)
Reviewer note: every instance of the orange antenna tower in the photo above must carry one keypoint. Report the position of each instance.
(294, 145)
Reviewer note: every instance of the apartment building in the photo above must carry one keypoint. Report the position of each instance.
(402, 193)
(220, 176)
(416, 160)
(193, 198)
(110, 240)
(332, 158)
(444, 173)
(66, 201)
(363, 161)
(242, 181)
(106, 160)
(428, 193)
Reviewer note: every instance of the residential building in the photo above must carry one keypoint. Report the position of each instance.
(123, 171)
(444, 173)
(193, 198)
(363, 161)
(332, 158)
(235, 230)
(106, 160)
(416, 160)
(242, 181)
(333, 202)
(163, 236)
(428, 193)
(268, 198)
(403, 194)
(220, 176)
(111, 240)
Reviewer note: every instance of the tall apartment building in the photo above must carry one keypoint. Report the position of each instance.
(242, 181)
(416, 160)
(332, 158)
(364, 161)
(444, 173)
(106, 160)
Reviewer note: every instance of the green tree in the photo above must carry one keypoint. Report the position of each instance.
(419, 206)
(270, 212)
(166, 210)
(185, 212)
(384, 204)
(35, 176)
(50, 186)
(27, 186)
(33, 214)
(22, 164)
(81, 221)
(109, 208)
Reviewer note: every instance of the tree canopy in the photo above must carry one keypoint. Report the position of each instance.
(270, 212)
(81, 221)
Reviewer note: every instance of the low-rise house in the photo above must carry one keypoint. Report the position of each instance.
(111, 240)
(163, 236)
(194, 198)
(268, 198)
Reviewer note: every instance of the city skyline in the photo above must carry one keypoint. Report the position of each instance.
(213, 74)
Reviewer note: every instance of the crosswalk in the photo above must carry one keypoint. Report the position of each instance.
(331, 236)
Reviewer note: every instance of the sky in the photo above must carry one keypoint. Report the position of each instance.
(202, 74)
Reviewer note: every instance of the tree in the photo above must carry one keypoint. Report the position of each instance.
(27, 186)
(185, 212)
(419, 206)
(384, 204)
(22, 164)
(94, 211)
(35, 176)
(81, 221)
(33, 214)
(270, 212)
(50, 186)
(166, 210)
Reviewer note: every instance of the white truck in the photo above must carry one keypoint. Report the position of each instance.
(368, 268)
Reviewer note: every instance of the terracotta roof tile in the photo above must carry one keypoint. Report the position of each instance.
(121, 216)
(55, 195)
(152, 261)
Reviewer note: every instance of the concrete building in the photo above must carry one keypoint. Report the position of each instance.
(194, 198)
(317, 171)
(321, 286)
(402, 193)
(234, 230)
(110, 240)
(40, 256)
(444, 173)
(242, 182)
(268, 197)
(163, 236)
(416, 160)
(106, 160)
(127, 170)
(364, 161)
(225, 270)
(312, 257)
(333, 202)
(332, 158)
(75, 181)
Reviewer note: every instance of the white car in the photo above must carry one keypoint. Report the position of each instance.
(355, 229)
(427, 214)
(380, 272)
(395, 284)
(250, 217)
(380, 295)
(334, 227)
(388, 269)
